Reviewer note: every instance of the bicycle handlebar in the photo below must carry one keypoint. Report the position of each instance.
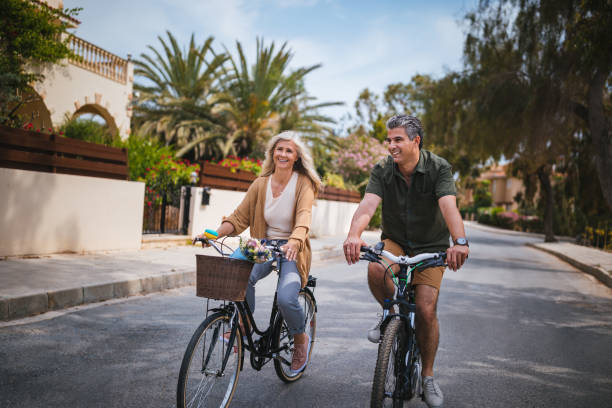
(274, 244)
(375, 254)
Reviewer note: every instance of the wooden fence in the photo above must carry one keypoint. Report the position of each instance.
(27, 150)
(215, 176)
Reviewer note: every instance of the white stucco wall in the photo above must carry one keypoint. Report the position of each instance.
(67, 87)
(43, 213)
(328, 217)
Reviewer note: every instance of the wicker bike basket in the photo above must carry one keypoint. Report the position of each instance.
(222, 278)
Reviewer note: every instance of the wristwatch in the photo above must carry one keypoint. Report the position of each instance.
(461, 241)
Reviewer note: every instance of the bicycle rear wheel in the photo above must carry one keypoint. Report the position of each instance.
(386, 388)
(282, 339)
(203, 382)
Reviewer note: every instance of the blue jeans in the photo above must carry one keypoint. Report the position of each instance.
(288, 289)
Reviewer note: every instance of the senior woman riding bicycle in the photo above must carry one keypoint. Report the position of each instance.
(278, 205)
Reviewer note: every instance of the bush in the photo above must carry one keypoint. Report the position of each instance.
(333, 180)
(485, 218)
(235, 163)
(497, 216)
(530, 223)
(166, 176)
(505, 219)
(357, 157)
(89, 131)
(143, 153)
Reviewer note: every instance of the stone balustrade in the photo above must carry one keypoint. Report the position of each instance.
(95, 59)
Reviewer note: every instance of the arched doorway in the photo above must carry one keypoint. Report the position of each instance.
(35, 111)
(98, 111)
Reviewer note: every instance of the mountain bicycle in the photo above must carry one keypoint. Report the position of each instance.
(212, 362)
(397, 376)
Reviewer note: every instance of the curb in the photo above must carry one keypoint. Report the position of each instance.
(602, 275)
(503, 231)
(38, 303)
(34, 304)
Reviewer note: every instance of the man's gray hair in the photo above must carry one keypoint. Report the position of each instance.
(412, 126)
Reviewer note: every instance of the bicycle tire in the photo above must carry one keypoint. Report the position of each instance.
(413, 357)
(200, 383)
(282, 364)
(385, 391)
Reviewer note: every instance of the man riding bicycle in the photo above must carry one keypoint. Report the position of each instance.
(419, 209)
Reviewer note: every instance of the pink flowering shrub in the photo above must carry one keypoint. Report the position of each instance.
(357, 157)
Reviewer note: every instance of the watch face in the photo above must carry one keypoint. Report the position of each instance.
(461, 241)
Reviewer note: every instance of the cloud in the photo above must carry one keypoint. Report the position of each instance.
(359, 44)
(296, 3)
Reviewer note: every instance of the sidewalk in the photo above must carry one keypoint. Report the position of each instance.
(593, 261)
(34, 285)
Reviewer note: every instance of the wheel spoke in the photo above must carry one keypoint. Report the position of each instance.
(201, 379)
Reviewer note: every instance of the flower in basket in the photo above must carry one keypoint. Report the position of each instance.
(254, 251)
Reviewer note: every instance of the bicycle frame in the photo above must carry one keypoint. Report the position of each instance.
(236, 309)
(404, 299)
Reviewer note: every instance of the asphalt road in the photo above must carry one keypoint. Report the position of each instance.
(519, 329)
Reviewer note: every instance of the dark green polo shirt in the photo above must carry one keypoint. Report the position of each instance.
(411, 216)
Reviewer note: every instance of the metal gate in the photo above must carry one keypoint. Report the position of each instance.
(164, 218)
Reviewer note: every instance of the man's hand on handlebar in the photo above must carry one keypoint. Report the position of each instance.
(456, 256)
(352, 248)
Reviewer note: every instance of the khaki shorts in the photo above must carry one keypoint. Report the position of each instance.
(429, 276)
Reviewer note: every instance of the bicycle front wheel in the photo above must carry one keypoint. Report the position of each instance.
(386, 388)
(210, 368)
(282, 340)
(413, 357)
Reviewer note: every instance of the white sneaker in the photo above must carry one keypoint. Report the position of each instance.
(432, 393)
(374, 332)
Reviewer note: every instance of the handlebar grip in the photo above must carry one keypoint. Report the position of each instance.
(211, 234)
(364, 249)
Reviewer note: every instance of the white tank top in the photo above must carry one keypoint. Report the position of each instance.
(278, 212)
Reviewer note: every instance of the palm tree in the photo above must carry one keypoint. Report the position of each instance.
(177, 98)
(265, 98)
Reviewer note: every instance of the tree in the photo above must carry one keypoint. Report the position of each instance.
(263, 98)
(31, 35)
(537, 73)
(179, 94)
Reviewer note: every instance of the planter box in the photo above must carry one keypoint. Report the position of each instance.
(215, 176)
(338, 194)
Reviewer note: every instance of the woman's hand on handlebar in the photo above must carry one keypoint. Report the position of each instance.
(205, 236)
(352, 249)
(291, 250)
(201, 238)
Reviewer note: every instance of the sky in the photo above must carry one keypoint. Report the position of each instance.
(360, 44)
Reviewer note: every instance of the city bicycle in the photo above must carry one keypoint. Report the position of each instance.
(397, 376)
(212, 362)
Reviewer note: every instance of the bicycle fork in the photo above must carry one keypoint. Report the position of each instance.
(218, 338)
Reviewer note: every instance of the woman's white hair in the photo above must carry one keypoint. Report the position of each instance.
(304, 163)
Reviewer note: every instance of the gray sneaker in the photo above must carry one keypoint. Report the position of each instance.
(432, 393)
(374, 332)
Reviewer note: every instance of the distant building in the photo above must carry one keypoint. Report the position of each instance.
(503, 186)
(96, 82)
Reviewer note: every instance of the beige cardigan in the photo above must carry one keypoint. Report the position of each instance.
(250, 213)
